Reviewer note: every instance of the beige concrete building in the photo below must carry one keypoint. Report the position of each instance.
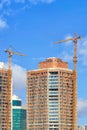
(50, 96)
(5, 99)
(82, 127)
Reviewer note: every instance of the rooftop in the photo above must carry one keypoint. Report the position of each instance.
(53, 63)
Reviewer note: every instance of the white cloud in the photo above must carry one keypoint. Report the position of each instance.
(9, 2)
(18, 81)
(19, 77)
(3, 24)
(7, 8)
(82, 107)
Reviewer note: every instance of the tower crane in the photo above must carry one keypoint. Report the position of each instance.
(75, 47)
(10, 54)
(74, 39)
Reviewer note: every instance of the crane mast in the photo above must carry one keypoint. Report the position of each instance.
(75, 47)
(75, 39)
(10, 54)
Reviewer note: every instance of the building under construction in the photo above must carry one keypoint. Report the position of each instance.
(5, 99)
(50, 97)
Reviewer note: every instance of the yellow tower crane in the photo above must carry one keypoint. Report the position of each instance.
(75, 39)
(10, 54)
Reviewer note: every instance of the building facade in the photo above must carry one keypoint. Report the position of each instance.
(18, 114)
(5, 99)
(82, 127)
(50, 96)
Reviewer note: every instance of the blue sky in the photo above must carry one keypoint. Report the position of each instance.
(32, 26)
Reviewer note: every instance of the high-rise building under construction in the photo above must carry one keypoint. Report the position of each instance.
(5, 99)
(50, 96)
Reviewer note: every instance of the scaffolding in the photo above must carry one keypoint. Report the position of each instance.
(5, 99)
(53, 80)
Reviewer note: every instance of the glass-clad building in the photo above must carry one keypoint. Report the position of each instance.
(18, 114)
